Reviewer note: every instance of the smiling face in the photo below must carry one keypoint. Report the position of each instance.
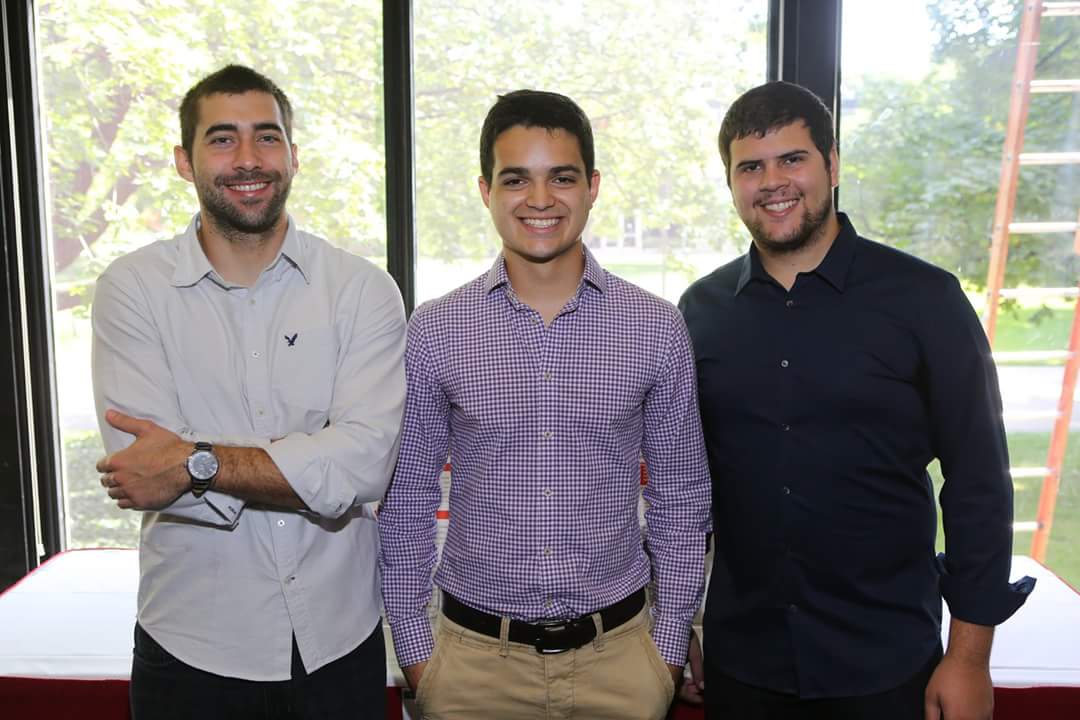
(782, 188)
(539, 196)
(241, 163)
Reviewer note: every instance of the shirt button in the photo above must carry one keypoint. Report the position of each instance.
(787, 490)
(547, 552)
(548, 492)
(793, 608)
(783, 363)
(289, 580)
(547, 375)
(281, 523)
(251, 302)
(260, 412)
(785, 427)
(547, 434)
(256, 354)
(790, 303)
(549, 604)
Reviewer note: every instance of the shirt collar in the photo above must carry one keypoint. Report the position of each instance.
(833, 267)
(593, 275)
(192, 265)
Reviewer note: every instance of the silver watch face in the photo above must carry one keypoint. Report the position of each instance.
(202, 465)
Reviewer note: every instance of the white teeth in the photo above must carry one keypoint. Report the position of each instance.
(540, 222)
(779, 206)
(250, 188)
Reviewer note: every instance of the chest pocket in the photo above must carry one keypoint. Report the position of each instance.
(305, 368)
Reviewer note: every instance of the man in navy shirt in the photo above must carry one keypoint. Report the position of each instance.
(831, 371)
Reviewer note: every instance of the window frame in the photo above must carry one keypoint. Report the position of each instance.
(803, 47)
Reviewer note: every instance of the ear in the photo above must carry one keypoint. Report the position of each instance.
(594, 186)
(834, 167)
(485, 191)
(183, 163)
(295, 158)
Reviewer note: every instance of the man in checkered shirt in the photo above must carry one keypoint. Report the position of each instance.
(545, 381)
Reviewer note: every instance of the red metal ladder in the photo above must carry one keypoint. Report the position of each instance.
(1024, 84)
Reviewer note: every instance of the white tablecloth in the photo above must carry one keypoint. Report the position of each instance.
(73, 618)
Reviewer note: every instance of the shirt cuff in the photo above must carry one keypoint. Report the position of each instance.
(983, 603)
(413, 640)
(298, 460)
(672, 638)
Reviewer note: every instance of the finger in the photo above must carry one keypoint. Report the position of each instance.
(932, 711)
(106, 481)
(125, 504)
(104, 464)
(117, 492)
(128, 424)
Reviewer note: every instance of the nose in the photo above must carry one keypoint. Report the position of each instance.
(539, 196)
(247, 155)
(772, 177)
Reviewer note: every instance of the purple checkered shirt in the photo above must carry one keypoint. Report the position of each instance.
(545, 428)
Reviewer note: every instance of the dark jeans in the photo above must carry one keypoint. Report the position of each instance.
(353, 687)
(728, 699)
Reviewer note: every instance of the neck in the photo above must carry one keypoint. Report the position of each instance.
(546, 287)
(784, 267)
(238, 257)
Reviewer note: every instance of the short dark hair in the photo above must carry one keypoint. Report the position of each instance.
(770, 107)
(229, 80)
(535, 108)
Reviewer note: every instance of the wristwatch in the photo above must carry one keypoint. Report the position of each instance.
(202, 466)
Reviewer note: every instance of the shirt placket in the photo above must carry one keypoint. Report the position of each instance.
(543, 344)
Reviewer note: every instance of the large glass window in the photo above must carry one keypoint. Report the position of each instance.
(654, 77)
(112, 74)
(924, 112)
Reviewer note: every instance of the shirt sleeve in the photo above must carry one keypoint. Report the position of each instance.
(350, 461)
(407, 517)
(678, 495)
(969, 439)
(131, 374)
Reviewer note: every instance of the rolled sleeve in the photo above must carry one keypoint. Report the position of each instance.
(969, 439)
(407, 524)
(349, 462)
(679, 497)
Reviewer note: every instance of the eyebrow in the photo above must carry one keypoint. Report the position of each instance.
(556, 170)
(232, 127)
(781, 156)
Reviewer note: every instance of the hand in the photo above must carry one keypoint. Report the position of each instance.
(150, 473)
(413, 673)
(959, 690)
(693, 692)
(676, 676)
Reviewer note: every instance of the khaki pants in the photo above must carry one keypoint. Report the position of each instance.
(618, 676)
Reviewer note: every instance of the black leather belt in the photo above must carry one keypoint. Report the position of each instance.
(548, 637)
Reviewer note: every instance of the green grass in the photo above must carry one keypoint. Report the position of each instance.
(1063, 552)
(1033, 328)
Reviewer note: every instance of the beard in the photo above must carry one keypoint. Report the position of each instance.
(235, 221)
(812, 222)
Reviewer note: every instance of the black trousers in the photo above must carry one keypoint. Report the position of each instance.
(728, 699)
(353, 687)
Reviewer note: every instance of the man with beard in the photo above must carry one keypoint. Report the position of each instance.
(250, 387)
(831, 371)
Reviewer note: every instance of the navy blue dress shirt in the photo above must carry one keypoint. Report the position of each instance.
(822, 407)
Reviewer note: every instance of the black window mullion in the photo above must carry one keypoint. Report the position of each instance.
(401, 251)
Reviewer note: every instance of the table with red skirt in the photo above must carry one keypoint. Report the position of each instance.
(66, 628)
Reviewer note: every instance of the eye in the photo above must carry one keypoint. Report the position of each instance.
(794, 159)
(220, 140)
(564, 180)
(513, 182)
(749, 167)
(269, 139)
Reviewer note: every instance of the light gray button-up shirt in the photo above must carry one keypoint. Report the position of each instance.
(306, 364)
